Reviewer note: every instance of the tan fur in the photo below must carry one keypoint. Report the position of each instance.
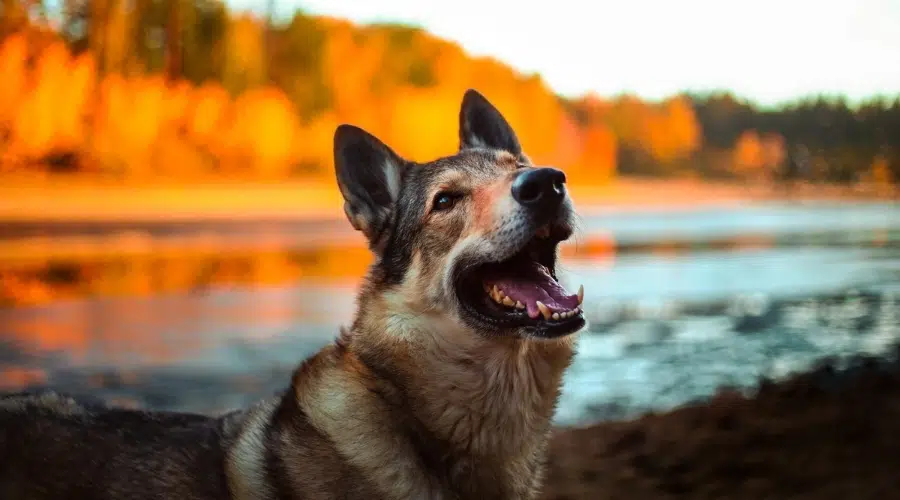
(245, 458)
(336, 397)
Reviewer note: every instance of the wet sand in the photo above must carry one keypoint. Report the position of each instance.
(829, 433)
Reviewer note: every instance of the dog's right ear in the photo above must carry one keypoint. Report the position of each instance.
(369, 174)
(482, 125)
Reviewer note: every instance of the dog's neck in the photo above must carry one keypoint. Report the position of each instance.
(487, 402)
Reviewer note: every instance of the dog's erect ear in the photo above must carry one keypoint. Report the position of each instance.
(369, 174)
(482, 126)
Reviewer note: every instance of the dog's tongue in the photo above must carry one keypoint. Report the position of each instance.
(533, 283)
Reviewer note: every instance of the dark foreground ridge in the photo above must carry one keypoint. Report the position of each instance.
(833, 432)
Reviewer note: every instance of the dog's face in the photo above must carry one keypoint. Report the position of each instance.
(472, 236)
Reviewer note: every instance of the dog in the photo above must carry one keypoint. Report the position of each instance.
(443, 387)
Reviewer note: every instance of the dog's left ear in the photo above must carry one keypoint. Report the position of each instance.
(369, 175)
(482, 126)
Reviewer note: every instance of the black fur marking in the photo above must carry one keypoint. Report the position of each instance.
(365, 169)
(287, 417)
(481, 125)
(406, 224)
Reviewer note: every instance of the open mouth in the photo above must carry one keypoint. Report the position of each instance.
(523, 291)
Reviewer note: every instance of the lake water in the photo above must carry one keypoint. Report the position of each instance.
(205, 318)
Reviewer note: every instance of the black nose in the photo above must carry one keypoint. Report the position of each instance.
(539, 188)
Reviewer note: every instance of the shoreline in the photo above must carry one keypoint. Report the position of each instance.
(827, 433)
(78, 201)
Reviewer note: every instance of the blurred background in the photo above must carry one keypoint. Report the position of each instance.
(171, 235)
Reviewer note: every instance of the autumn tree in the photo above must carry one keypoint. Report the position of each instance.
(186, 87)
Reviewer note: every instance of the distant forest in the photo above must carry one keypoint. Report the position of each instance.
(186, 89)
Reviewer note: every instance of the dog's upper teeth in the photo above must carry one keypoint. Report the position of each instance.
(544, 309)
(580, 294)
(495, 294)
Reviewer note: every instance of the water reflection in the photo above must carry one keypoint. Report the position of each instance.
(187, 269)
(208, 318)
(100, 269)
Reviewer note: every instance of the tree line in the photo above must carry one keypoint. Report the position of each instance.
(185, 88)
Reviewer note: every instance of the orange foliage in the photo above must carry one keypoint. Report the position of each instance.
(598, 155)
(668, 131)
(880, 173)
(262, 132)
(128, 121)
(403, 85)
(52, 104)
(673, 131)
(756, 156)
(432, 116)
(13, 54)
(205, 115)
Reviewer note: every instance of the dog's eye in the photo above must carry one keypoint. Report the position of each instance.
(444, 201)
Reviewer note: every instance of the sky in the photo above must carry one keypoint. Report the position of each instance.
(769, 51)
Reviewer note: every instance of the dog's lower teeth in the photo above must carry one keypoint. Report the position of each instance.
(520, 305)
(508, 302)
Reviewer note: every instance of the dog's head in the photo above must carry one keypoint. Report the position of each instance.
(472, 237)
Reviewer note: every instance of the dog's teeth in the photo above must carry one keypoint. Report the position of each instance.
(566, 315)
(544, 309)
(520, 305)
(495, 294)
(555, 316)
(508, 302)
(580, 294)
